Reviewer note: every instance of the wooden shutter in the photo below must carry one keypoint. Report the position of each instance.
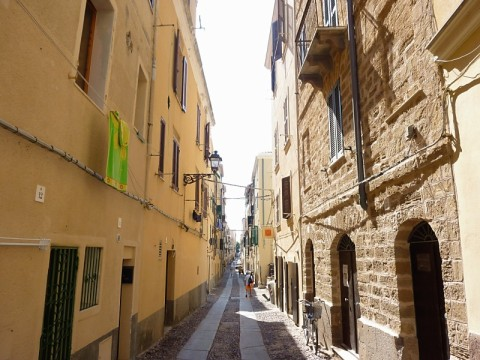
(161, 157)
(286, 198)
(206, 141)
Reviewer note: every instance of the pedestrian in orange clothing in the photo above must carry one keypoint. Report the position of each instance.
(249, 284)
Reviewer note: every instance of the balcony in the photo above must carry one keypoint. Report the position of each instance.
(317, 45)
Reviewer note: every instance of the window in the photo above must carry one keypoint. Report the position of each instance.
(204, 200)
(161, 154)
(278, 216)
(175, 164)
(184, 84)
(141, 103)
(86, 46)
(281, 20)
(286, 198)
(94, 51)
(286, 123)
(335, 123)
(180, 73)
(199, 118)
(273, 76)
(305, 157)
(206, 140)
(302, 45)
(276, 146)
(197, 196)
(91, 277)
(330, 12)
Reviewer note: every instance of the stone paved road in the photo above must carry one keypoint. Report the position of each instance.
(282, 338)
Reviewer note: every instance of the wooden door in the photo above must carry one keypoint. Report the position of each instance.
(348, 293)
(428, 294)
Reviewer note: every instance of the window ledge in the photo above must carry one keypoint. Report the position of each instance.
(337, 162)
(287, 144)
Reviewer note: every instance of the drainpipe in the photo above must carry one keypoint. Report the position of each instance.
(356, 106)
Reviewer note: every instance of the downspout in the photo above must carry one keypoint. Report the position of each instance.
(356, 106)
(151, 101)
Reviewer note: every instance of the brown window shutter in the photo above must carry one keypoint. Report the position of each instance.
(286, 198)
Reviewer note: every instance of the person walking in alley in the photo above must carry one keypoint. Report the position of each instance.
(249, 283)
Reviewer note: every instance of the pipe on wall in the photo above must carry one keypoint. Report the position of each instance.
(356, 106)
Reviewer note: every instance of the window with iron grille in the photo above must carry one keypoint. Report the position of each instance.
(91, 277)
(335, 123)
(330, 12)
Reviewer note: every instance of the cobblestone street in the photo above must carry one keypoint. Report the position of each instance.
(281, 337)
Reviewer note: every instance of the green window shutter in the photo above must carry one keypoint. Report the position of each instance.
(255, 235)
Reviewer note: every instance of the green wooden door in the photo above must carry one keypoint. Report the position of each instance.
(56, 337)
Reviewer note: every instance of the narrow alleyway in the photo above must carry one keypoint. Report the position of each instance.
(231, 326)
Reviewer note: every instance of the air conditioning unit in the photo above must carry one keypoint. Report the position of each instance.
(196, 216)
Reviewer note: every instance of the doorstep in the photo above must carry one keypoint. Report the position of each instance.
(345, 354)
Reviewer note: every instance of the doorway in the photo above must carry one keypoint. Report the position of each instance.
(348, 293)
(56, 339)
(125, 316)
(170, 288)
(309, 271)
(428, 294)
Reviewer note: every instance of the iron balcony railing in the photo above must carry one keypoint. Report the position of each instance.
(318, 39)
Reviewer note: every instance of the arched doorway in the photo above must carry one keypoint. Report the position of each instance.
(348, 292)
(309, 271)
(428, 294)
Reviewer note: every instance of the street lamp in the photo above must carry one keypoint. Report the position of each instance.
(215, 161)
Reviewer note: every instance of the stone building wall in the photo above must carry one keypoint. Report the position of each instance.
(409, 180)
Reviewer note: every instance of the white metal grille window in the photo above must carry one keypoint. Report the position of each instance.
(335, 123)
(330, 17)
(91, 277)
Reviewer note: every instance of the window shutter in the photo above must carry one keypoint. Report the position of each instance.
(176, 67)
(273, 75)
(255, 235)
(184, 83)
(331, 122)
(286, 198)
(206, 141)
(276, 44)
(161, 160)
(281, 20)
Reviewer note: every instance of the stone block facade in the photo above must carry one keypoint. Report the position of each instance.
(407, 160)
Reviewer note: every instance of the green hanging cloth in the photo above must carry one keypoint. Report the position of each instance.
(117, 161)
